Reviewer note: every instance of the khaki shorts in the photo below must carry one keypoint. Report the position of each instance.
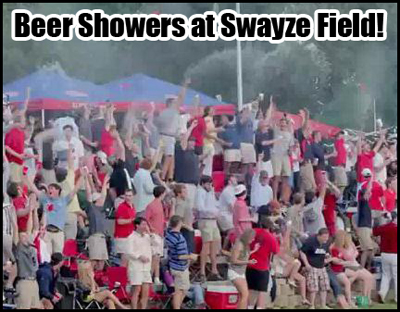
(365, 237)
(307, 181)
(209, 231)
(248, 153)
(7, 248)
(137, 278)
(54, 242)
(15, 172)
(181, 279)
(157, 246)
(167, 144)
(281, 166)
(30, 298)
(340, 176)
(71, 226)
(232, 155)
(97, 246)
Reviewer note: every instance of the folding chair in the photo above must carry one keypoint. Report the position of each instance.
(161, 300)
(118, 276)
(194, 268)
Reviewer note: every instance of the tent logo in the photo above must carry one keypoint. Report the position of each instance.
(76, 93)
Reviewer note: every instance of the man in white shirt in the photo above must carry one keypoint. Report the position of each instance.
(261, 193)
(139, 263)
(226, 201)
(60, 148)
(144, 186)
(206, 206)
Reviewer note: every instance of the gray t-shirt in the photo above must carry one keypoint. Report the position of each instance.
(27, 264)
(97, 219)
(168, 121)
(281, 148)
(313, 217)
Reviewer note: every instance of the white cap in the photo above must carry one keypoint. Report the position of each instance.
(366, 172)
(102, 156)
(95, 197)
(239, 189)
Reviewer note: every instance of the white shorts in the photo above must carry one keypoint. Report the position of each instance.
(121, 245)
(232, 275)
(137, 278)
(157, 246)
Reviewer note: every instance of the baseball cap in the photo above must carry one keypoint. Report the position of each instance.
(366, 172)
(239, 189)
(102, 156)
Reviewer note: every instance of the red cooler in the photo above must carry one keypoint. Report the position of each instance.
(221, 297)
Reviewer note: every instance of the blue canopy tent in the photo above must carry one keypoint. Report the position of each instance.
(52, 89)
(139, 90)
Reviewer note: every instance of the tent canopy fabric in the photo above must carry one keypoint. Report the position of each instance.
(140, 87)
(53, 83)
(52, 89)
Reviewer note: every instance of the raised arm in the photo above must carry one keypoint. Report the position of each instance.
(185, 138)
(181, 97)
(31, 185)
(381, 141)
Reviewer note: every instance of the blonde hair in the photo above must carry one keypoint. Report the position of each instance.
(342, 239)
(247, 237)
(86, 273)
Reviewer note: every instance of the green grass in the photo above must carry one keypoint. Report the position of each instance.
(384, 306)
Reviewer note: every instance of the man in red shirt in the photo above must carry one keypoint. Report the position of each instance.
(257, 274)
(388, 234)
(390, 194)
(199, 133)
(20, 203)
(14, 146)
(340, 162)
(332, 195)
(365, 158)
(154, 215)
(124, 217)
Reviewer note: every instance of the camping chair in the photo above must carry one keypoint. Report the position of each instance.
(70, 264)
(194, 267)
(162, 299)
(118, 276)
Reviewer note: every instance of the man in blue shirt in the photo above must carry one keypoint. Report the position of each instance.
(55, 208)
(231, 138)
(178, 260)
(47, 276)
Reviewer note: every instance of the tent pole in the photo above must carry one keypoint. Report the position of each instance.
(239, 68)
(43, 123)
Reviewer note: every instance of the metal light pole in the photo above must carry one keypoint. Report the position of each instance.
(374, 115)
(239, 68)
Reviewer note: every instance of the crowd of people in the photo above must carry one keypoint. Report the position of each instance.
(154, 174)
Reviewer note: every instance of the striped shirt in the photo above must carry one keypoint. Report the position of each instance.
(177, 246)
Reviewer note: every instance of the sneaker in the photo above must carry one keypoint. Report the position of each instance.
(380, 299)
(326, 308)
(311, 308)
(201, 279)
